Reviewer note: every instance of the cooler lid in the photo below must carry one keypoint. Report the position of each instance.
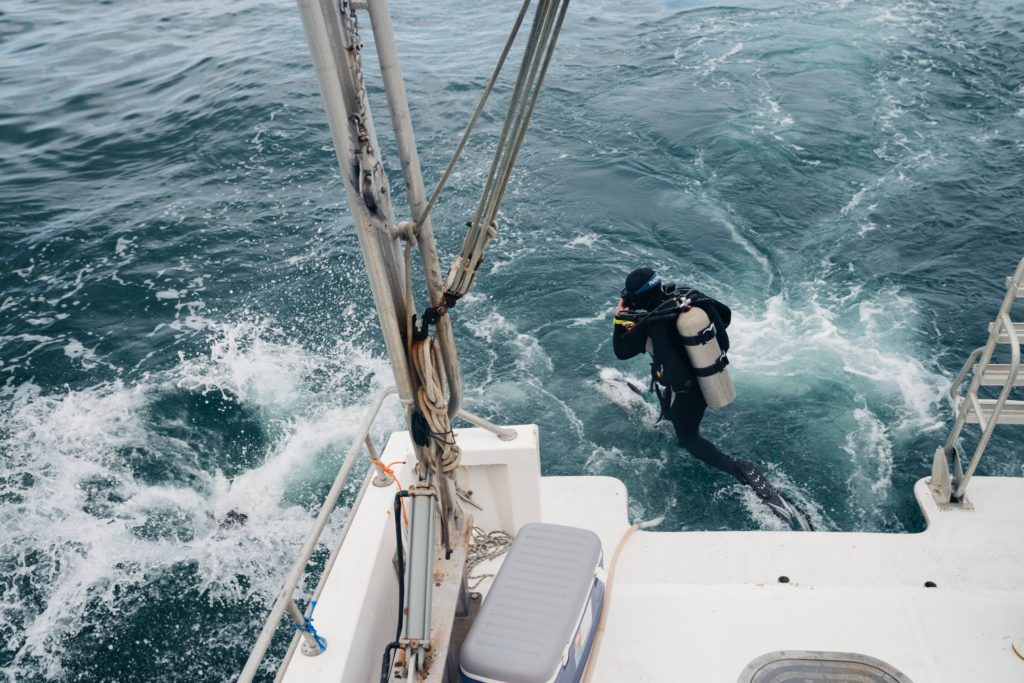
(531, 612)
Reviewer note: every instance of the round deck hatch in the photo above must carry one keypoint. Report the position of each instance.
(835, 667)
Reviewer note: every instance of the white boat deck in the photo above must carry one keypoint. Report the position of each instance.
(700, 606)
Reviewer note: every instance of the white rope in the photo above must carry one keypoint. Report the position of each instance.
(476, 115)
(547, 24)
(444, 453)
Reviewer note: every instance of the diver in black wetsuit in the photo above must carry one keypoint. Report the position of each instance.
(681, 398)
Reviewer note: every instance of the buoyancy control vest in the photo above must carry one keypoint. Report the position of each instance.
(698, 335)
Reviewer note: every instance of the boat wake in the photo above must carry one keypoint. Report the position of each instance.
(195, 483)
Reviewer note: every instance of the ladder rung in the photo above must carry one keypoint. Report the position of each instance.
(1011, 414)
(996, 376)
(1004, 338)
(1020, 287)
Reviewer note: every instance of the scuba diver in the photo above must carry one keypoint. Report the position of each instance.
(645, 320)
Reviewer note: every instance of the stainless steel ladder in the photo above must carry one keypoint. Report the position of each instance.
(947, 487)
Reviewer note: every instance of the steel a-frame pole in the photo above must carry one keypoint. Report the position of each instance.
(401, 122)
(334, 44)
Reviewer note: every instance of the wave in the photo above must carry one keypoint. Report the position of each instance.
(106, 488)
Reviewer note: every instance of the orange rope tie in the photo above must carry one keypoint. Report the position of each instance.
(387, 469)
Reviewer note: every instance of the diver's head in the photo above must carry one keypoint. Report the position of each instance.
(642, 290)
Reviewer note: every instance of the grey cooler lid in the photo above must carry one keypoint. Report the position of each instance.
(531, 612)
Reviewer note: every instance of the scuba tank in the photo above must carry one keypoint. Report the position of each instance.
(700, 338)
(701, 333)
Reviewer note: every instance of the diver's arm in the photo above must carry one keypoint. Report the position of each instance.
(628, 339)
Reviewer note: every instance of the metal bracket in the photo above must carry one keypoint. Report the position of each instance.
(423, 490)
(310, 650)
(940, 484)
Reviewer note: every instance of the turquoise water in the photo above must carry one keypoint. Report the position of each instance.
(185, 329)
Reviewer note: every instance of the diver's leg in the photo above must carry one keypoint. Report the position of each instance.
(687, 412)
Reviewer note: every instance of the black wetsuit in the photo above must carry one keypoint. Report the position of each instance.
(684, 403)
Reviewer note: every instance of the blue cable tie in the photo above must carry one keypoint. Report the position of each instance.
(308, 628)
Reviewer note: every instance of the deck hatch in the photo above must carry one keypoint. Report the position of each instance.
(835, 667)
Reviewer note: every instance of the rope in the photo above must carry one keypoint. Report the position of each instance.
(476, 116)
(547, 24)
(444, 453)
(484, 546)
(308, 627)
(607, 602)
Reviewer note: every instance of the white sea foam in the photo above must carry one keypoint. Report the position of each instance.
(751, 249)
(711, 65)
(84, 524)
(871, 453)
(854, 202)
(529, 355)
(599, 317)
(614, 385)
(586, 240)
(804, 342)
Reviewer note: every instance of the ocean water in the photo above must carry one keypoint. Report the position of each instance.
(185, 328)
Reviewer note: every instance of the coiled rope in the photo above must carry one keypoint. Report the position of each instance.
(444, 453)
(484, 545)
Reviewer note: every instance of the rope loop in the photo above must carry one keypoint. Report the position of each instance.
(387, 469)
(310, 629)
(444, 454)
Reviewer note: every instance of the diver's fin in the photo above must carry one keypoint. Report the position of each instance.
(635, 389)
(789, 513)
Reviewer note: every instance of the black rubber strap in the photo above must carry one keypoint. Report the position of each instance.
(714, 368)
(702, 337)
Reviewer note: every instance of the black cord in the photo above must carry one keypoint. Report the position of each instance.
(438, 436)
(385, 667)
(666, 310)
(401, 559)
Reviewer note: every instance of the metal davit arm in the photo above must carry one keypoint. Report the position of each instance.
(401, 121)
(335, 52)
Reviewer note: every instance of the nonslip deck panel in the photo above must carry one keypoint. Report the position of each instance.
(533, 608)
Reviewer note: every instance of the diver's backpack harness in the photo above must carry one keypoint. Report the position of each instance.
(704, 340)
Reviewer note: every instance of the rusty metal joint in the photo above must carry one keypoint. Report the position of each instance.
(421, 490)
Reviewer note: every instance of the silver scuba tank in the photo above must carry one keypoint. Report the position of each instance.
(706, 356)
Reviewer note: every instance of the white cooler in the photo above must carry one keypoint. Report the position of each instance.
(537, 623)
